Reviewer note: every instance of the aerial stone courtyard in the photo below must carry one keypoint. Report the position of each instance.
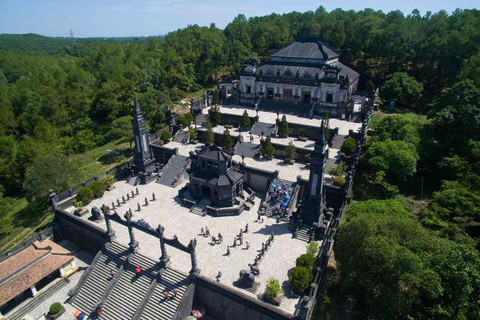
(178, 221)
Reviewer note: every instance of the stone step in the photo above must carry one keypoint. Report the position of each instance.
(129, 291)
(159, 308)
(174, 170)
(90, 294)
(303, 234)
(198, 211)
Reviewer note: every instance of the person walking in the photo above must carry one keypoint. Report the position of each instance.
(247, 244)
(137, 271)
(166, 295)
(112, 273)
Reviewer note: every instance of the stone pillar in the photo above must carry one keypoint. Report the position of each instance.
(34, 291)
(108, 223)
(53, 199)
(133, 243)
(165, 258)
(193, 255)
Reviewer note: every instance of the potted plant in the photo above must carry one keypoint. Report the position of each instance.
(56, 310)
(273, 293)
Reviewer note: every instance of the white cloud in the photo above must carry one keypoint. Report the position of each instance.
(118, 8)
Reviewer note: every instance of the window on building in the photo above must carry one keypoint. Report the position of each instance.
(249, 89)
(329, 97)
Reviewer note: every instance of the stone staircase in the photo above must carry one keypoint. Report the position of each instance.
(181, 136)
(37, 301)
(159, 308)
(174, 172)
(133, 180)
(91, 292)
(198, 211)
(129, 291)
(304, 234)
(266, 128)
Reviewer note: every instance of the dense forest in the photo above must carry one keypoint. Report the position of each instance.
(408, 250)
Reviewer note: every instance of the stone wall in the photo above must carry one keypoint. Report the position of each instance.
(256, 179)
(186, 305)
(85, 234)
(222, 302)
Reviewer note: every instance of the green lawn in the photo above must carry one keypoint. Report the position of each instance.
(25, 219)
(99, 160)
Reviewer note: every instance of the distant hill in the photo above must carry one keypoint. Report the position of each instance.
(31, 43)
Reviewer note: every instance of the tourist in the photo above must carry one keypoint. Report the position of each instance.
(228, 250)
(207, 232)
(247, 244)
(111, 273)
(202, 232)
(213, 240)
(220, 237)
(175, 291)
(219, 275)
(137, 271)
(246, 228)
(166, 295)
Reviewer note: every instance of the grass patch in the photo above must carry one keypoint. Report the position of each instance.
(98, 160)
(22, 221)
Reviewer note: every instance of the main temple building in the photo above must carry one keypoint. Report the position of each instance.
(304, 72)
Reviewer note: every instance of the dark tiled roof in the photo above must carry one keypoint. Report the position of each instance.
(305, 50)
(223, 179)
(214, 153)
(301, 69)
(346, 70)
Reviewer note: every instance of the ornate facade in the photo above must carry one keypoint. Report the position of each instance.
(304, 72)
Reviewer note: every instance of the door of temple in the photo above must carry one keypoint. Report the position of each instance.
(306, 96)
(269, 93)
(287, 94)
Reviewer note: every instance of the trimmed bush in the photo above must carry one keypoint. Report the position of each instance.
(85, 195)
(300, 279)
(306, 260)
(348, 146)
(312, 248)
(339, 181)
(166, 135)
(55, 308)
(98, 188)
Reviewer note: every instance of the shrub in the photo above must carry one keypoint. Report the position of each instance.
(312, 248)
(272, 289)
(302, 132)
(177, 94)
(108, 180)
(189, 117)
(339, 181)
(245, 122)
(166, 135)
(340, 170)
(85, 195)
(306, 260)
(227, 140)
(77, 203)
(192, 133)
(348, 146)
(98, 188)
(283, 129)
(183, 121)
(267, 150)
(300, 279)
(290, 152)
(209, 136)
(55, 308)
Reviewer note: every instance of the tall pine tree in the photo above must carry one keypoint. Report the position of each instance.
(245, 122)
(283, 129)
(209, 136)
(227, 140)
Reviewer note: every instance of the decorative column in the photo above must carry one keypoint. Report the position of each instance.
(53, 199)
(108, 222)
(133, 243)
(193, 255)
(34, 291)
(165, 258)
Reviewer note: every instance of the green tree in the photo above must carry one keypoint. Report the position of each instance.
(52, 171)
(84, 195)
(98, 188)
(290, 152)
(192, 134)
(245, 121)
(306, 260)
(272, 289)
(312, 248)
(369, 87)
(348, 146)
(214, 116)
(300, 279)
(267, 150)
(209, 135)
(339, 170)
(403, 89)
(283, 130)
(396, 158)
(397, 127)
(122, 129)
(227, 140)
(216, 97)
(165, 136)
(339, 181)
(373, 206)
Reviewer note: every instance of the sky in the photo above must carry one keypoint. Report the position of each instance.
(116, 18)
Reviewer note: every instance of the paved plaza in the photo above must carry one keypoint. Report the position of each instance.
(177, 219)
